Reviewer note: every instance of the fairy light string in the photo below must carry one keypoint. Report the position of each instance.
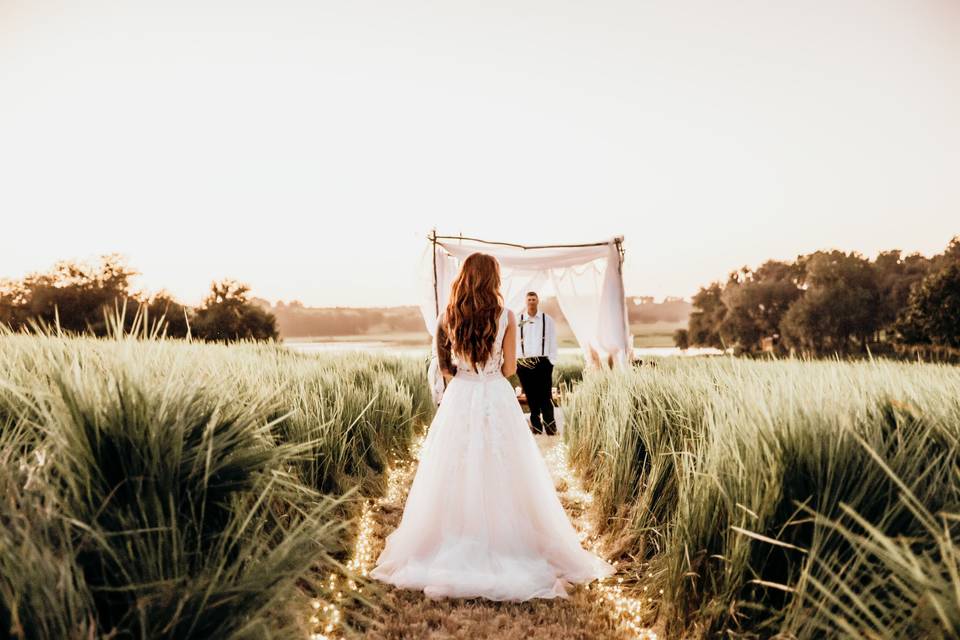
(327, 617)
(625, 609)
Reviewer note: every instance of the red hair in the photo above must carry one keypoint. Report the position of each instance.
(473, 313)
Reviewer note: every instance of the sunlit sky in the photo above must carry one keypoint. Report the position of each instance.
(308, 147)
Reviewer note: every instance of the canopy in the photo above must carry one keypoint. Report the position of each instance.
(587, 280)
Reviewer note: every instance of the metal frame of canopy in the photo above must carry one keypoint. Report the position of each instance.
(436, 239)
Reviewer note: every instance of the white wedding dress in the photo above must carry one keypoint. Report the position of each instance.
(482, 518)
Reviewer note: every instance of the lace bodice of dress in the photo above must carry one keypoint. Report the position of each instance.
(495, 361)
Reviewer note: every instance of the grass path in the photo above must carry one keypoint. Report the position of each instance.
(406, 614)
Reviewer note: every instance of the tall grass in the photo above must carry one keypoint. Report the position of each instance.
(801, 498)
(163, 489)
(568, 371)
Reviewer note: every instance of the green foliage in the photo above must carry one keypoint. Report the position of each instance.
(756, 301)
(72, 295)
(165, 489)
(807, 499)
(681, 339)
(933, 313)
(840, 308)
(82, 299)
(708, 314)
(824, 304)
(42, 594)
(163, 309)
(228, 315)
(568, 371)
(896, 277)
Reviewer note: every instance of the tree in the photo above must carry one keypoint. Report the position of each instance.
(933, 313)
(681, 338)
(227, 314)
(706, 317)
(73, 294)
(950, 254)
(896, 276)
(11, 297)
(175, 316)
(840, 308)
(80, 298)
(756, 301)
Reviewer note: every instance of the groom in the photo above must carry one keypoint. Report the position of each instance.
(536, 355)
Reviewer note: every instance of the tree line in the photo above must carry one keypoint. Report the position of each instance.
(294, 319)
(834, 303)
(84, 298)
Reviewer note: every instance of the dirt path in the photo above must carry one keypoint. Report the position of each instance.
(591, 613)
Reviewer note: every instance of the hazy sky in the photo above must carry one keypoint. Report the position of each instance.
(308, 147)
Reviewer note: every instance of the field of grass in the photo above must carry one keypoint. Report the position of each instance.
(806, 499)
(162, 489)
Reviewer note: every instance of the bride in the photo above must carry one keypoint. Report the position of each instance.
(482, 518)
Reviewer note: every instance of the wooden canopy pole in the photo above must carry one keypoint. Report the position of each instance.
(435, 237)
(623, 301)
(436, 294)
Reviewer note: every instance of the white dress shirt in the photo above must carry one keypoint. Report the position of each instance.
(529, 346)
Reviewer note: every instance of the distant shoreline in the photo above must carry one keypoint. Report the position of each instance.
(652, 324)
(411, 339)
(656, 335)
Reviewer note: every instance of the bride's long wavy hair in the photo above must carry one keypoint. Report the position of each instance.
(473, 313)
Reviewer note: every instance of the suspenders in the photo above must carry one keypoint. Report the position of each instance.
(543, 336)
(523, 346)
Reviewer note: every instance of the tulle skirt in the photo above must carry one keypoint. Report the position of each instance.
(482, 518)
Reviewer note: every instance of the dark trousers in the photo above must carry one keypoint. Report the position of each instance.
(537, 385)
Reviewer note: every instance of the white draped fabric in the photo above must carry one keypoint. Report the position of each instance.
(586, 280)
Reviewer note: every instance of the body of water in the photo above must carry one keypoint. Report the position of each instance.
(423, 351)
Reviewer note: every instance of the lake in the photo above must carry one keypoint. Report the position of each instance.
(377, 346)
